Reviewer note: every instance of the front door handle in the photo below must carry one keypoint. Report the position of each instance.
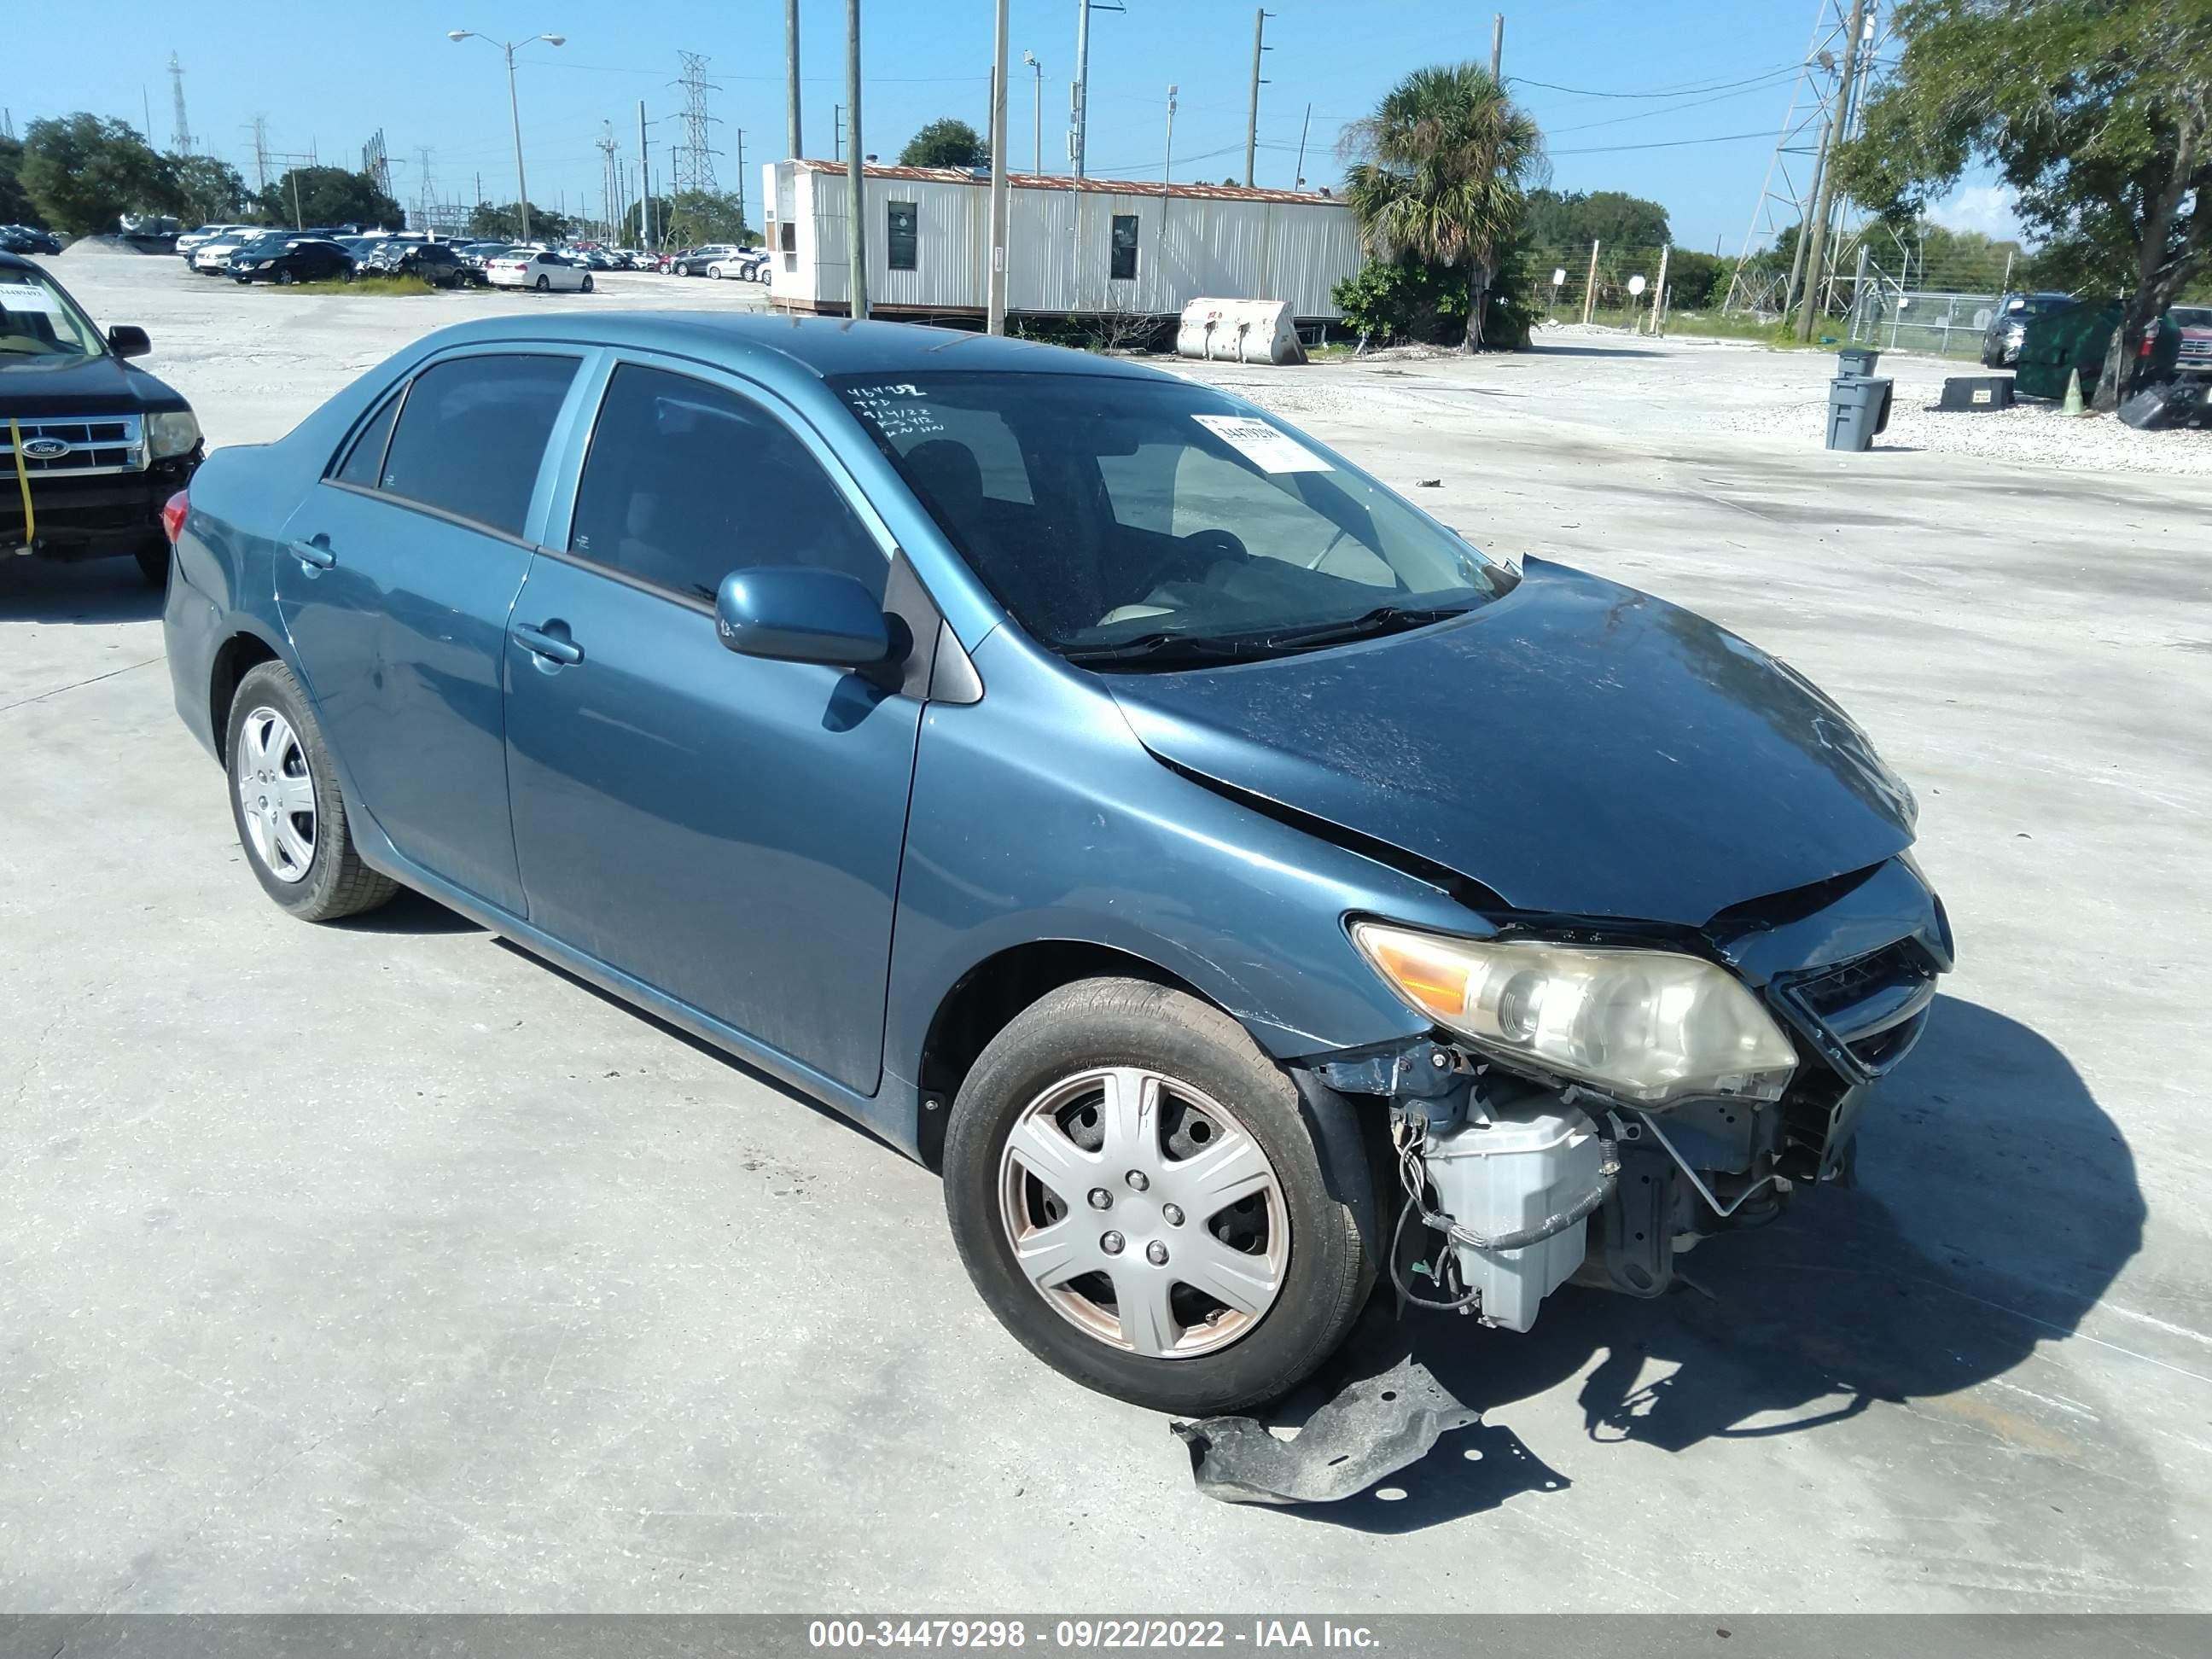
(314, 554)
(552, 643)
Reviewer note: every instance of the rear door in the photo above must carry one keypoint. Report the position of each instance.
(395, 585)
(725, 828)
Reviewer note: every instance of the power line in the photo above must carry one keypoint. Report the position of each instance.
(1665, 143)
(1670, 91)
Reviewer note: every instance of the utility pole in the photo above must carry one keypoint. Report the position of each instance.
(836, 132)
(1809, 299)
(1497, 46)
(644, 183)
(856, 206)
(1589, 287)
(791, 78)
(1659, 293)
(1298, 177)
(1037, 141)
(1252, 115)
(996, 310)
(1167, 168)
(741, 180)
(1078, 100)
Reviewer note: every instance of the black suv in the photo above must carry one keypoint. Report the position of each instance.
(91, 446)
(435, 263)
(288, 259)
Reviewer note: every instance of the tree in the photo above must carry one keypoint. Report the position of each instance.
(83, 174)
(1694, 280)
(1578, 218)
(504, 223)
(329, 196)
(15, 208)
(1437, 174)
(697, 216)
(633, 225)
(207, 191)
(2094, 111)
(946, 143)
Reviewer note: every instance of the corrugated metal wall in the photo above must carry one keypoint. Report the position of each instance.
(1060, 247)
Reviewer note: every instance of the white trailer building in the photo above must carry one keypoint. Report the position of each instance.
(1075, 247)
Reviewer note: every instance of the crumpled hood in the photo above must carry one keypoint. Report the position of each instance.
(1576, 747)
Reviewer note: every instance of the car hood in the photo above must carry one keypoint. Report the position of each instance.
(1576, 747)
(79, 385)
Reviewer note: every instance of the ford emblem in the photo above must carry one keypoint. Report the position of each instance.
(45, 449)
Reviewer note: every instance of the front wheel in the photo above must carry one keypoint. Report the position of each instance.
(285, 801)
(585, 287)
(545, 283)
(283, 279)
(1136, 1196)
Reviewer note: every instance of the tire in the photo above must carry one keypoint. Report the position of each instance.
(543, 285)
(585, 287)
(283, 277)
(270, 722)
(346, 274)
(1039, 1076)
(153, 563)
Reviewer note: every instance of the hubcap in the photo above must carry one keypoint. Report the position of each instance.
(277, 794)
(1191, 1255)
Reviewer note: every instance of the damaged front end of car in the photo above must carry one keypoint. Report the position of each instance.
(1596, 1097)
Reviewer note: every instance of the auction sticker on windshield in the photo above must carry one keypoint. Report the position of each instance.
(26, 296)
(1267, 447)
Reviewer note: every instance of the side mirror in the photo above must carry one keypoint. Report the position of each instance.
(794, 614)
(126, 341)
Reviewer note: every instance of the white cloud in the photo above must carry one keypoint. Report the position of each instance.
(1988, 209)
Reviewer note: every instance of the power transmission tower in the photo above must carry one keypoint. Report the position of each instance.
(376, 164)
(422, 190)
(1793, 171)
(180, 140)
(261, 155)
(610, 178)
(7, 124)
(695, 163)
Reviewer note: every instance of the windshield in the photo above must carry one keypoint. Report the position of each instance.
(38, 319)
(1126, 519)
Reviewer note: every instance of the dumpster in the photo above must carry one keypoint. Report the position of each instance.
(1858, 407)
(2074, 340)
(1856, 360)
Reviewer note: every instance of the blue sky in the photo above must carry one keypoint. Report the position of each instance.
(329, 75)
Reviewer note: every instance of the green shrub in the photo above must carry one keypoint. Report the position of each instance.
(1404, 301)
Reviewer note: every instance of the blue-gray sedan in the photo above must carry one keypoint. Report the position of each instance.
(1244, 891)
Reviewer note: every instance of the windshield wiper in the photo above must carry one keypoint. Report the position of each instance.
(1383, 619)
(1168, 646)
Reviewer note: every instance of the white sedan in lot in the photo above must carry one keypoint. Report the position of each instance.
(537, 269)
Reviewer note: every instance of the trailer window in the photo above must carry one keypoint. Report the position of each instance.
(903, 218)
(1124, 268)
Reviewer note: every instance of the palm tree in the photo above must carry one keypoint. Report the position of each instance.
(1438, 174)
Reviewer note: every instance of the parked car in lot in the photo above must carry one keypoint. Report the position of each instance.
(2008, 326)
(539, 269)
(438, 263)
(2195, 323)
(694, 262)
(287, 260)
(190, 242)
(28, 239)
(733, 267)
(1063, 769)
(91, 446)
(212, 256)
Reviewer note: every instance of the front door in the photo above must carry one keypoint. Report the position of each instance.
(395, 585)
(725, 829)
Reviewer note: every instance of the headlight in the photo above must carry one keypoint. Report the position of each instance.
(172, 432)
(1649, 1026)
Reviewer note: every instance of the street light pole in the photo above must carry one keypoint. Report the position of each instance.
(1037, 107)
(514, 106)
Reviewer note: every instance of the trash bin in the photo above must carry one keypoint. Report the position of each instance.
(1856, 360)
(1858, 407)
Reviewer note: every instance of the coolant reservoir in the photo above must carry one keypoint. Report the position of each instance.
(1498, 1176)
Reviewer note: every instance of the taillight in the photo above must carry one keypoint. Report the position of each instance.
(173, 516)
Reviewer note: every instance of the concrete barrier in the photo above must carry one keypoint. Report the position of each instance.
(1239, 331)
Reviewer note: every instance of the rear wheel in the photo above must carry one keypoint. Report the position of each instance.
(1132, 1188)
(543, 283)
(585, 287)
(285, 801)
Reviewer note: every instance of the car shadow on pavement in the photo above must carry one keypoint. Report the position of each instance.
(1997, 1202)
(95, 591)
(410, 912)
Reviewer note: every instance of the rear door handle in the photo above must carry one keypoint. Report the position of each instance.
(556, 648)
(315, 552)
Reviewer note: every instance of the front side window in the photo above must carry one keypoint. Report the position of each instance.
(37, 320)
(1107, 512)
(905, 218)
(1124, 266)
(686, 481)
(472, 434)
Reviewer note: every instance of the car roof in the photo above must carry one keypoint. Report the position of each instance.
(827, 346)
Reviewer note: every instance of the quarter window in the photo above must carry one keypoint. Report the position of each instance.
(686, 481)
(473, 433)
(1124, 268)
(904, 220)
(364, 462)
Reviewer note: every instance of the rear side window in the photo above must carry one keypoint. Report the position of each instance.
(364, 462)
(472, 434)
(686, 483)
